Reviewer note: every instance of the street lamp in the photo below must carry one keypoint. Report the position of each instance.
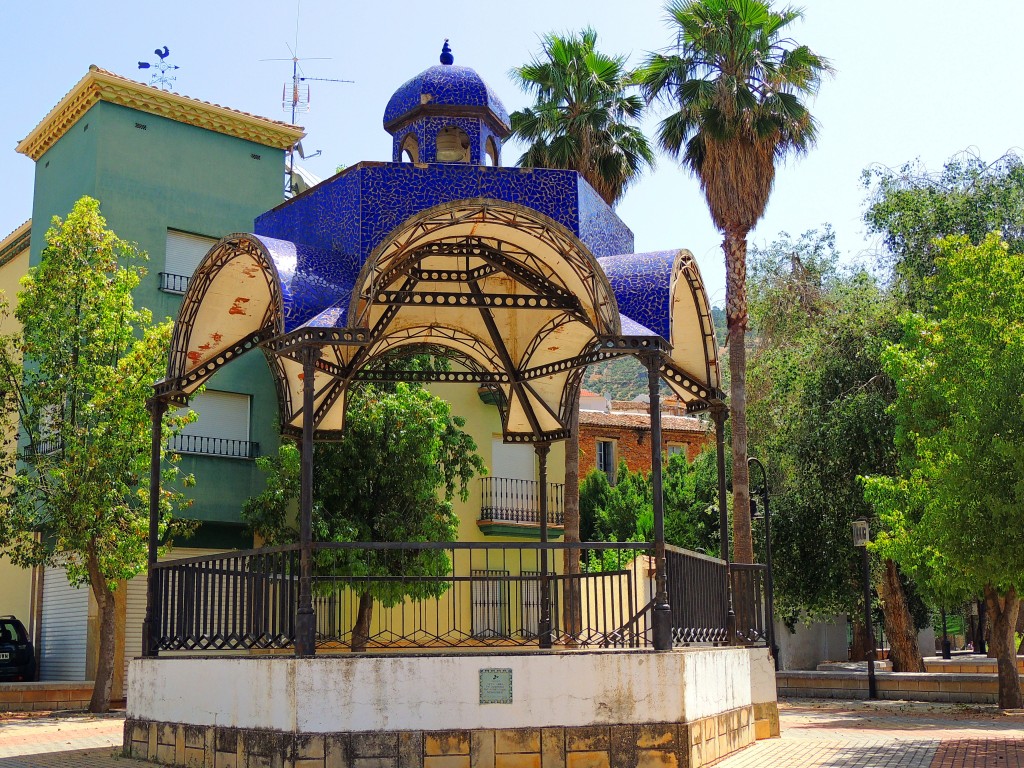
(769, 583)
(861, 537)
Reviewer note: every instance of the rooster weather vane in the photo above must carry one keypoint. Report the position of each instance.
(161, 76)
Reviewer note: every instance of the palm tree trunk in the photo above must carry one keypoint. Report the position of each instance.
(571, 599)
(1002, 613)
(735, 247)
(904, 651)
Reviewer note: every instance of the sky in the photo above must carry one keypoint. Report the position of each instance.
(914, 80)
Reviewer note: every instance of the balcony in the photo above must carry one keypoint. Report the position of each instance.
(214, 446)
(508, 504)
(171, 283)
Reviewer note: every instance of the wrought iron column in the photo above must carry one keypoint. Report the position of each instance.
(305, 619)
(150, 628)
(661, 623)
(719, 413)
(544, 625)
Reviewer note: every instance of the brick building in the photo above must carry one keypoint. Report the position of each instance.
(616, 430)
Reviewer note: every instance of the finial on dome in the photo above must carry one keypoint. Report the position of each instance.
(446, 54)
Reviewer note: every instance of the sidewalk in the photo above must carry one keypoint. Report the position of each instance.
(858, 734)
(63, 740)
(815, 734)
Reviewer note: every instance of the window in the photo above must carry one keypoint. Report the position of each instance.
(184, 252)
(674, 448)
(410, 152)
(222, 428)
(488, 593)
(491, 152)
(606, 458)
(452, 145)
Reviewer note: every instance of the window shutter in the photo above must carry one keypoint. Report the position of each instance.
(221, 414)
(184, 252)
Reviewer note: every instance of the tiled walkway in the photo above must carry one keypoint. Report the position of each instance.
(884, 735)
(815, 734)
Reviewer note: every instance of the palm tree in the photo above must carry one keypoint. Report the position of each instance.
(738, 87)
(584, 119)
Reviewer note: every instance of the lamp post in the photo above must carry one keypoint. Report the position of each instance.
(769, 582)
(861, 537)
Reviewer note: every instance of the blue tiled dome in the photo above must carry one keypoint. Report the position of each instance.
(447, 85)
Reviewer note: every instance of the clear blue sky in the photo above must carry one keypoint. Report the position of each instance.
(914, 80)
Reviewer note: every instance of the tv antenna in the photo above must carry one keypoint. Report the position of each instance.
(160, 77)
(295, 96)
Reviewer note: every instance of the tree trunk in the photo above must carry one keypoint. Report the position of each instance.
(571, 598)
(1020, 631)
(735, 247)
(1002, 613)
(361, 630)
(904, 651)
(860, 645)
(100, 701)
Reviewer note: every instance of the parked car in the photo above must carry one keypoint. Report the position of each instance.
(17, 656)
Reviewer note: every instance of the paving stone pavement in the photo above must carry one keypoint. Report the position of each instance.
(815, 734)
(835, 734)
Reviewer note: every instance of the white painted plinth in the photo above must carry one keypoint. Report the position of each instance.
(403, 692)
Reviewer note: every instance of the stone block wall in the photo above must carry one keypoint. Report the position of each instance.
(956, 687)
(26, 697)
(665, 745)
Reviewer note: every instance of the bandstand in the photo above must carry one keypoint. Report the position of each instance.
(520, 278)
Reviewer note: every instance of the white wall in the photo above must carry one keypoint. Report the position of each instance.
(811, 644)
(439, 692)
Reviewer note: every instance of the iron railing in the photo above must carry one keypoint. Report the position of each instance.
(509, 500)
(748, 592)
(45, 447)
(698, 594)
(448, 595)
(239, 600)
(172, 283)
(423, 595)
(214, 446)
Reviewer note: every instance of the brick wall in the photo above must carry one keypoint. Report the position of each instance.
(633, 444)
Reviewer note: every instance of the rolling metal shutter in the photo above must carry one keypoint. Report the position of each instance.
(184, 252)
(65, 628)
(221, 414)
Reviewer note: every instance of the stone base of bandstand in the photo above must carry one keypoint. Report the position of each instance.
(570, 709)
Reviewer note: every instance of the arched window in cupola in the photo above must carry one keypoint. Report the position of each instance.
(410, 152)
(452, 145)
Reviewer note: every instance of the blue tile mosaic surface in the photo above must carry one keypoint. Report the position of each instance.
(321, 239)
(449, 85)
(641, 283)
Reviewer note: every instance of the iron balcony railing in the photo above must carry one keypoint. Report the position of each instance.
(508, 500)
(214, 446)
(45, 447)
(171, 283)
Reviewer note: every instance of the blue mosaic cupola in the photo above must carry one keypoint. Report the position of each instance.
(446, 114)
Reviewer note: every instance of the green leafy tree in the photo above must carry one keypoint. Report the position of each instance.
(691, 502)
(737, 85)
(953, 513)
(625, 511)
(911, 208)
(818, 414)
(393, 477)
(79, 495)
